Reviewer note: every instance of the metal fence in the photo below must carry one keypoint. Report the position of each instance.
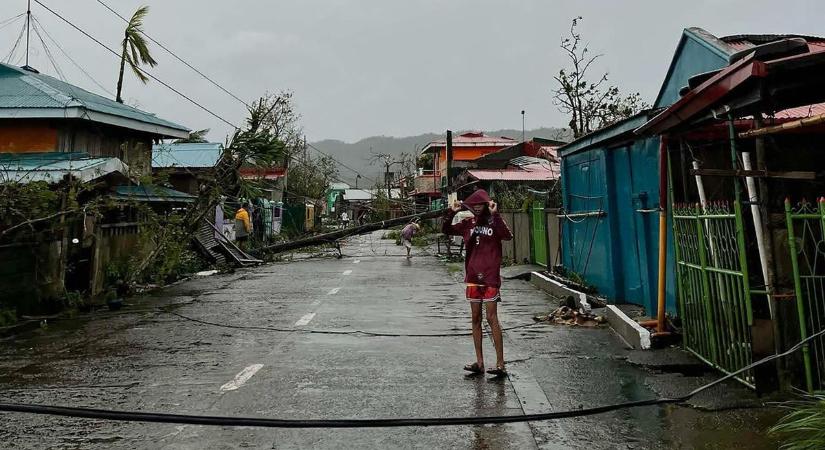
(806, 245)
(712, 279)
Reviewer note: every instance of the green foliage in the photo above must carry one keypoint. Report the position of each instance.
(309, 177)
(380, 206)
(174, 259)
(392, 235)
(804, 427)
(195, 137)
(8, 317)
(72, 299)
(509, 197)
(420, 240)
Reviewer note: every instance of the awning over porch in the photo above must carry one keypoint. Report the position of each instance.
(53, 167)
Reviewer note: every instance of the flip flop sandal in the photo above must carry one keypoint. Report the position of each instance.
(474, 368)
(497, 371)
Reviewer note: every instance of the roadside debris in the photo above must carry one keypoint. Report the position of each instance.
(565, 315)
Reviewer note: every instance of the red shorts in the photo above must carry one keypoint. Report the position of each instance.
(481, 294)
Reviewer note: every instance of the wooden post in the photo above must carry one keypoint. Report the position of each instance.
(449, 157)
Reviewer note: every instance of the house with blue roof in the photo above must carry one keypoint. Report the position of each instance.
(610, 185)
(187, 165)
(52, 131)
(41, 114)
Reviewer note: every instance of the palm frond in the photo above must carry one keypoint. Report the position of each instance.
(804, 427)
(139, 43)
(137, 18)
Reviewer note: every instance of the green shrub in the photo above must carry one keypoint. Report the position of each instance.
(7, 317)
(804, 427)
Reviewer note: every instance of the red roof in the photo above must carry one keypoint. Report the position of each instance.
(534, 172)
(801, 112)
(748, 41)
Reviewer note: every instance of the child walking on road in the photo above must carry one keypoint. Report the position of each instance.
(407, 234)
(482, 235)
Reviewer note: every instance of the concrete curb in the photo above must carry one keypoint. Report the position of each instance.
(628, 329)
(558, 289)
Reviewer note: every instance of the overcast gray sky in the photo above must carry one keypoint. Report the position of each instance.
(390, 67)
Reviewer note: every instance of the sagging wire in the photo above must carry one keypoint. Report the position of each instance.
(335, 332)
(224, 421)
(16, 44)
(48, 52)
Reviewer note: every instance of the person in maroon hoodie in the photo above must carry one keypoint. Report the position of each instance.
(482, 235)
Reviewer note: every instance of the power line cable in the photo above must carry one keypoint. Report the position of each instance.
(16, 43)
(186, 419)
(215, 83)
(10, 20)
(48, 52)
(335, 332)
(66, 54)
(158, 80)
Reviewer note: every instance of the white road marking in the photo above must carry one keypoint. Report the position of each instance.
(333, 291)
(241, 378)
(307, 318)
(357, 261)
(347, 272)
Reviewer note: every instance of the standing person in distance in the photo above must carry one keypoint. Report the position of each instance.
(482, 235)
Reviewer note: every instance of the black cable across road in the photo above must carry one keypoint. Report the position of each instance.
(335, 332)
(224, 421)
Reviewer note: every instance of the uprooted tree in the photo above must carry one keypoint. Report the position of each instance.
(589, 101)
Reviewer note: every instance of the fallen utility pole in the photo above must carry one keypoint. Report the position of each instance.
(340, 234)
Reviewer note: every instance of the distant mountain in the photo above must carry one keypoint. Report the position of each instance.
(357, 155)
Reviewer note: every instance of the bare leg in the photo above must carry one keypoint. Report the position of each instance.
(495, 327)
(476, 318)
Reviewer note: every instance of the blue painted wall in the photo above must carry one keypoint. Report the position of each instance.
(618, 254)
(623, 245)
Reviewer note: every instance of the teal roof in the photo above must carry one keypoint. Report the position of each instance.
(28, 94)
(53, 167)
(152, 194)
(195, 155)
(607, 134)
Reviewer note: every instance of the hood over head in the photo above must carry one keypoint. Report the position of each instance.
(478, 197)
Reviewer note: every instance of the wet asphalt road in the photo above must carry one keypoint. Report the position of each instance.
(147, 360)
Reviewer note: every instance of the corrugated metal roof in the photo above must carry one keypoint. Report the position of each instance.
(801, 112)
(535, 172)
(152, 194)
(745, 41)
(53, 167)
(472, 139)
(188, 155)
(24, 89)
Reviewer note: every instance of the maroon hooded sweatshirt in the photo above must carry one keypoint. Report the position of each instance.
(482, 238)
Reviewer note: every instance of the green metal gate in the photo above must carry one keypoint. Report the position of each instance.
(806, 244)
(714, 291)
(538, 232)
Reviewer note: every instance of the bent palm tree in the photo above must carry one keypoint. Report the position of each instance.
(135, 50)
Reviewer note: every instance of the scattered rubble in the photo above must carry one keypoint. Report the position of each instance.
(565, 315)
